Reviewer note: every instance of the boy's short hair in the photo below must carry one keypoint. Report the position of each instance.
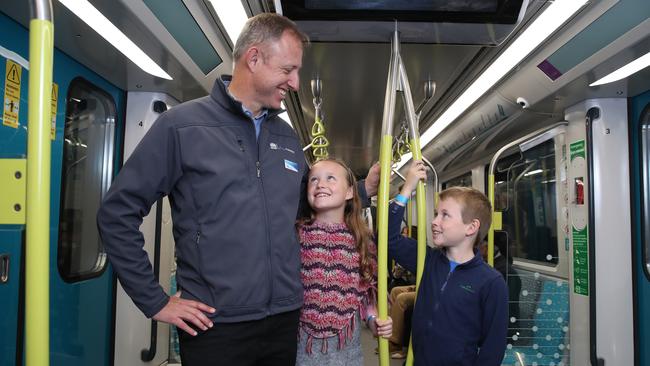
(474, 205)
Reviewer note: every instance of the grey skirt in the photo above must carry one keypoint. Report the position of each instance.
(349, 355)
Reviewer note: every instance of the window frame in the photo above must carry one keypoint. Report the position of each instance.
(108, 160)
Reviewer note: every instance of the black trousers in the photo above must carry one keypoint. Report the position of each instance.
(271, 341)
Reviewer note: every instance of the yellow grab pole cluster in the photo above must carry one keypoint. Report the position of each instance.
(397, 80)
(37, 280)
(422, 231)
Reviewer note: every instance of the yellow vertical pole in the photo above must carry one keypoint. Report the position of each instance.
(490, 253)
(37, 264)
(385, 160)
(421, 204)
(422, 230)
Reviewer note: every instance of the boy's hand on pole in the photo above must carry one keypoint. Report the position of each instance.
(417, 172)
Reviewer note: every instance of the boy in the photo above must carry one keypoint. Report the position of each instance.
(461, 310)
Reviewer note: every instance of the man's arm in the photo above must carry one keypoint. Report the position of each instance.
(368, 187)
(494, 325)
(150, 173)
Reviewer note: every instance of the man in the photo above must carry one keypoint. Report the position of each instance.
(232, 170)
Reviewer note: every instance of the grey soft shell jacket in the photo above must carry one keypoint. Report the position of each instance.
(234, 202)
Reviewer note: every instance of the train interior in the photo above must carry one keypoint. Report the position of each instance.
(512, 96)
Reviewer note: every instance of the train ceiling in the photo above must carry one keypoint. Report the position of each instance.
(353, 70)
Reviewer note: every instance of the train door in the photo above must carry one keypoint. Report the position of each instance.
(85, 115)
(600, 233)
(532, 252)
(640, 132)
(12, 146)
(82, 291)
(138, 340)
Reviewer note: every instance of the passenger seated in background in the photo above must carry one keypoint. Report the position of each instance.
(503, 263)
(500, 261)
(402, 299)
(462, 303)
(338, 270)
(400, 277)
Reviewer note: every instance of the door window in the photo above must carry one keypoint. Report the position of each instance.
(85, 177)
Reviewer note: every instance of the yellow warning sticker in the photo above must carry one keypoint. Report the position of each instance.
(12, 94)
(55, 97)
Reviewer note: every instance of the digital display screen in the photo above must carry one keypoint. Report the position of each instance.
(405, 5)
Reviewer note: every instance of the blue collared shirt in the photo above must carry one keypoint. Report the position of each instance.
(257, 121)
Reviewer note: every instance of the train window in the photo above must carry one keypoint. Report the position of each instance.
(526, 194)
(464, 180)
(86, 173)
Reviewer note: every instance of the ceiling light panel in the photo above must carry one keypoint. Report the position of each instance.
(100, 24)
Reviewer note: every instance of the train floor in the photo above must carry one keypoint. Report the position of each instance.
(369, 343)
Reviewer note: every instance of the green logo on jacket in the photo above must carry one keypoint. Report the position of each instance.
(467, 288)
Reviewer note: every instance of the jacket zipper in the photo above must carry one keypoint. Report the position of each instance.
(198, 237)
(266, 218)
(444, 285)
(442, 290)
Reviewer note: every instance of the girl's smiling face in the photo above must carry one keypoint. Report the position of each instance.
(328, 187)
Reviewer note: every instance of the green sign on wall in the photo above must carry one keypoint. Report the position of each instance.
(577, 149)
(580, 262)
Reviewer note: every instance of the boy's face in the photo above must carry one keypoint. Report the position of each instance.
(448, 228)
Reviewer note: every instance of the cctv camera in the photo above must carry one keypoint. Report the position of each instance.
(522, 102)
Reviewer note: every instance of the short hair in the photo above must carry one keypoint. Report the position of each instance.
(473, 205)
(262, 28)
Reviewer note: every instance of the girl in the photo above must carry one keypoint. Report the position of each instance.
(338, 270)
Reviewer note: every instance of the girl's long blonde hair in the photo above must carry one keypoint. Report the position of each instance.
(355, 223)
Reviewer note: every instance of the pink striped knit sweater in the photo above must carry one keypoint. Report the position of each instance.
(334, 290)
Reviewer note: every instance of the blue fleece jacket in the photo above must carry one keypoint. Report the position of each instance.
(460, 317)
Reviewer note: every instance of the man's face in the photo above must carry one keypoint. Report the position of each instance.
(276, 73)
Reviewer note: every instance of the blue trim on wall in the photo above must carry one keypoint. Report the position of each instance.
(81, 314)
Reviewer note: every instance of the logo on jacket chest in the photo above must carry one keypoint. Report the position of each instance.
(275, 146)
(467, 288)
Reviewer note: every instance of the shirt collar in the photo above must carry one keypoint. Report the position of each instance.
(263, 113)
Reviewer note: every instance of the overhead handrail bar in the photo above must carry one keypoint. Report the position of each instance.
(399, 175)
(435, 179)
